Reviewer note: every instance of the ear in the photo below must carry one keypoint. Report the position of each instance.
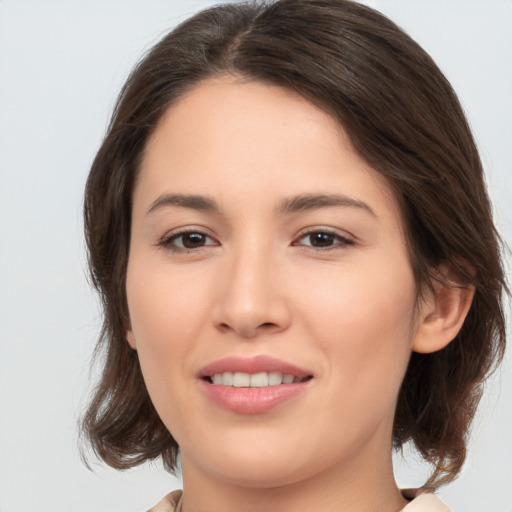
(130, 338)
(441, 316)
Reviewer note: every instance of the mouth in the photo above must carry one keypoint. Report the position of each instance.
(253, 372)
(253, 385)
(254, 380)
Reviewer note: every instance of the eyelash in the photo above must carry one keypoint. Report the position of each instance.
(168, 241)
(340, 241)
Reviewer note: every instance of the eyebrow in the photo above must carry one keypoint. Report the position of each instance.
(300, 203)
(194, 202)
(305, 202)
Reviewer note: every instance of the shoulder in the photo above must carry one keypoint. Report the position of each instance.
(171, 503)
(423, 502)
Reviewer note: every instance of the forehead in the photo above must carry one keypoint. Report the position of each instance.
(230, 138)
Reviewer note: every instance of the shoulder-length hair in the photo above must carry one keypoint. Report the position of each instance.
(402, 117)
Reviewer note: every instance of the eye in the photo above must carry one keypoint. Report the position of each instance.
(322, 239)
(185, 241)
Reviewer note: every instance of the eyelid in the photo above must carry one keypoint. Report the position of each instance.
(344, 237)
(165, 241)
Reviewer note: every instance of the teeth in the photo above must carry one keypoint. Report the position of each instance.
(254, 380)
(259, 380)
(240, 380)
(227, 379)
(275, 378)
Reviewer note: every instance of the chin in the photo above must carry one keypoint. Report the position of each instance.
(262, 474)
(255, 466)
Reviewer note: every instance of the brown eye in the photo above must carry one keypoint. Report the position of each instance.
(192, 240)
(323, 240)
(188, 240)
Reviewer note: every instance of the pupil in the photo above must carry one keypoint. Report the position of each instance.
(322, 239)
(192, 240)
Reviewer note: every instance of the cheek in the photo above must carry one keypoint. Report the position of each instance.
(166, 314)
(364, 321)
(164, 306)
(364, 297)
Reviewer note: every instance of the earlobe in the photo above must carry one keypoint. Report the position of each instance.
(441, 317)
(130, 338)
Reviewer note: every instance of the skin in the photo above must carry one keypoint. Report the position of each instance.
(255, 285)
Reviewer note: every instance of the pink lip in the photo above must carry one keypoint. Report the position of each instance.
(252, 400)
(252, 365)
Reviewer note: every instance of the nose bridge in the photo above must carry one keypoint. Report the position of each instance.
(250, 298)
(250, 271)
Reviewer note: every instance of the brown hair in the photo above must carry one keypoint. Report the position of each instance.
(403, 118)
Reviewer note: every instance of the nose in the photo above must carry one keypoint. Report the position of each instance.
(251, 299)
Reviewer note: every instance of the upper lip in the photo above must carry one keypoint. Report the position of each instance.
(252, 365)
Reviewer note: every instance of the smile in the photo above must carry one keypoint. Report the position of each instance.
(254, 380)
(254, 385)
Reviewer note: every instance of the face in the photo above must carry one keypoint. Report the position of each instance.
(270, 292)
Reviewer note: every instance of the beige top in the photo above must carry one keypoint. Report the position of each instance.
(421, 502)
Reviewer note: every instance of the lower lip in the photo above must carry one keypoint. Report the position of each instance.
(252, 400)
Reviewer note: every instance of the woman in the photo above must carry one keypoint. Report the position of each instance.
(288, 224)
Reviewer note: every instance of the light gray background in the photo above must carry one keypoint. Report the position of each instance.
(61, 66)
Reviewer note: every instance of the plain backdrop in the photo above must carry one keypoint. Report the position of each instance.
(61, 66)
